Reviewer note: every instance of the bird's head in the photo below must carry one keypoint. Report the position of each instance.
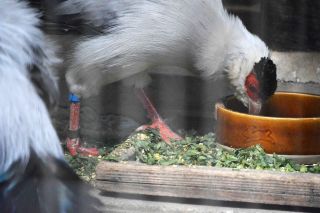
(255, 86)
(260, 84)
(250, 70)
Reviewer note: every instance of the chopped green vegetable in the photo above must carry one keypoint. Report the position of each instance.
(148, 148)
(203, 150)
(84, 166)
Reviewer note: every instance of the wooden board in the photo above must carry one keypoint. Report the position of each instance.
(219, 184)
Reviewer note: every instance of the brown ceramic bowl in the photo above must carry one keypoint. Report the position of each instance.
(289, 124)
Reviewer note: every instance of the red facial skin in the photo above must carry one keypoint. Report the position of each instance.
(252, 87)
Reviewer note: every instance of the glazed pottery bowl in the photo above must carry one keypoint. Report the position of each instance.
(289, 124)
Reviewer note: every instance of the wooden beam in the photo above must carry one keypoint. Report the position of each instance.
(220, 184)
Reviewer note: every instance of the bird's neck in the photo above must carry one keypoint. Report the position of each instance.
(232, 49)
(243, 51)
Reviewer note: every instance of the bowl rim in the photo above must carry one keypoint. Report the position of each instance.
(220, 105)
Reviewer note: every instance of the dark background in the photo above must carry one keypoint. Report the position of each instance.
(285, 25)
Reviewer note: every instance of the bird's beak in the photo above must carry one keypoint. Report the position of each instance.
(255, 107)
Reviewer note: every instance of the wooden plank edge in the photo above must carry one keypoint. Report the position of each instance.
(221, 184)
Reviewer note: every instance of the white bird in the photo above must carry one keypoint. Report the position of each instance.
(25, 67)
(138, 35)
(34, 176)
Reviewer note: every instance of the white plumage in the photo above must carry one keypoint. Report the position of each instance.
(34, 177)
(199, 36)
(25, 57)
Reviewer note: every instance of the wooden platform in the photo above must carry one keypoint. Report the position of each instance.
(210, 184)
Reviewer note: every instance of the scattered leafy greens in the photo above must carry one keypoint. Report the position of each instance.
(192, 150)
(204, 150)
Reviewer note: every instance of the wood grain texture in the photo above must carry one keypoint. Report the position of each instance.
(263, 187)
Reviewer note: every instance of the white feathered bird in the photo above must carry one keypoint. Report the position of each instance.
(139, 35)
(25, 67)
(34, 176)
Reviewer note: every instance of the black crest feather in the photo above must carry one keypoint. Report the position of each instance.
(266, 72)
